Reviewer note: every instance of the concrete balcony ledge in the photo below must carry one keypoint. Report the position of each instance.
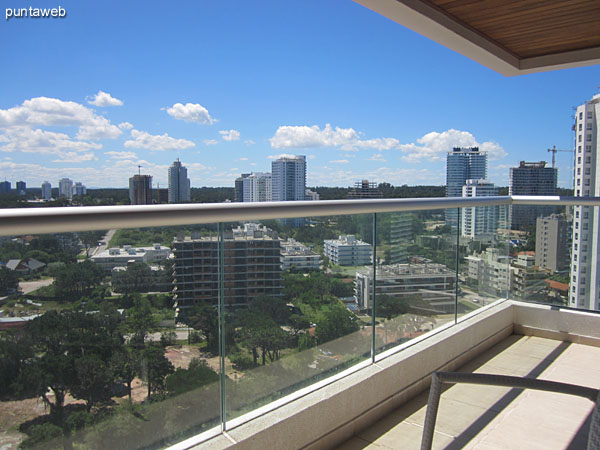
(333, 413)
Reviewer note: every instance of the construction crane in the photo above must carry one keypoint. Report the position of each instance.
(554, 150)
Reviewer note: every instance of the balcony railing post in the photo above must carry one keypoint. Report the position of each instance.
(374, 287)
(221, 318)
(457, 265)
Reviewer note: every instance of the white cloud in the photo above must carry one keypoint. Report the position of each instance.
(432, 146)
(27, 140)
(242, 159)
(249, 142)
(210, 142)
(104, 99)
(191, 112)
(230, 135)
(142, 139)
(282, 155)
(311, 156)
(125, 126)
(340, 161)
(308, 137)
(72, 157)
(121, 155)
(377, 157)
(44, 111)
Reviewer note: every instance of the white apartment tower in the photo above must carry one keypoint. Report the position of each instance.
(289, 178)
(585, 255)
(288, 175)
(46, 190)
(479, 220)
(65, 188)
(179, 183)
(256, 187)
(462, 164)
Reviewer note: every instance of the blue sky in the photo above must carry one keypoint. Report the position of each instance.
(228, 85)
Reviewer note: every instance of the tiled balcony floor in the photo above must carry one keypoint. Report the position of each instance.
(488, 417)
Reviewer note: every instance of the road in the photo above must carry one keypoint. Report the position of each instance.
(29, 286)
(106, 239)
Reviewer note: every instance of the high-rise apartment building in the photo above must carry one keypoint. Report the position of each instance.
(4, 187)
(140, 190)
(552, 242)
(288, 178)
(462, 164)
(364, 189)
(238, 193)
(79, 189)
(179, 183)
(531, 178)
(256, 187)
(585, 252)
(479, 219)
(65, 188)
(252, 267)
(21, 188)
(46, 190)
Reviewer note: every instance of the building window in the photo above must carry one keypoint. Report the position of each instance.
(580, 127)
(579, 138)
(581, 116)
(579, 148)
(579, 171)
(579, 160)
(588, 148)
(589, 138)
(589, 114)
(577, 214)
(587, 171)
(589, 127)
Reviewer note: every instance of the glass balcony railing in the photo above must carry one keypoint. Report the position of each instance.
(142, 327)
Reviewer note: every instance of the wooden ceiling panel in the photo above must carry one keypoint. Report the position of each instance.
(530, 28)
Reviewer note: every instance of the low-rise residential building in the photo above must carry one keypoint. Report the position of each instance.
(347, 251)
(489, 271)
(433, 283)
(24, 266)
(552, 242)
(527, 279)
(297, 256)
(121, 257)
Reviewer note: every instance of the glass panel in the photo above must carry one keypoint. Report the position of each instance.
(291, 314)
(551, 277)
(484, 267)
(415, 276)
(90, 352)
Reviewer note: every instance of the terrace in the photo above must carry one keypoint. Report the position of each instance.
(366, 386)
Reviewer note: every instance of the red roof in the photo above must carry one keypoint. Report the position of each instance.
(557, 285)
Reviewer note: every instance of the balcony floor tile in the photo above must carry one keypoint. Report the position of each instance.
(492, 418)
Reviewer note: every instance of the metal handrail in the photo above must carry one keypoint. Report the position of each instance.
(19, 221)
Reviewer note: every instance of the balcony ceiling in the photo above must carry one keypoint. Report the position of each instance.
(511, 37)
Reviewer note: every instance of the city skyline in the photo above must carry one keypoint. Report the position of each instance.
(353, 106)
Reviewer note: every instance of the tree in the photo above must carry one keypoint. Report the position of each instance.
(77, 279)
(94, 381)
(261, 335)
(388, 306)
(137, 278)
(196, 375)
(125, 364)
(337, 321)
(66, 353)
(139, 320)
(89, 239)
(154, 368)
